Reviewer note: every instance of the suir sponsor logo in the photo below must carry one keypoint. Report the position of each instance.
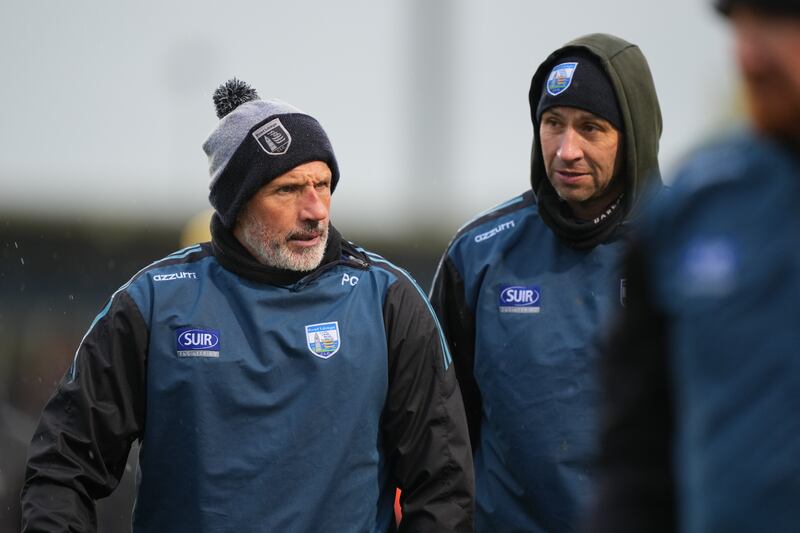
(519, 299)
(197, 342)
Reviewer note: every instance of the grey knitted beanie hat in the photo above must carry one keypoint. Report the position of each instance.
(255, 142)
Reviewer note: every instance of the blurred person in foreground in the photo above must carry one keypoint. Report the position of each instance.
(279, 378)
(523, 290)
(702, 375)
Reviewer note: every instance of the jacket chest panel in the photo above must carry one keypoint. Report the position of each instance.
(249, 345)
(544, 309)
(720, 270)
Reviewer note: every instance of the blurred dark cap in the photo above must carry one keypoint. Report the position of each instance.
(778, 7)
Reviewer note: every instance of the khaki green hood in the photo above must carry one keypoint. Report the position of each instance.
(630, 76)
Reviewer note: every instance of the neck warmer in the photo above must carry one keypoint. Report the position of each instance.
(579, 234)
(235, 257)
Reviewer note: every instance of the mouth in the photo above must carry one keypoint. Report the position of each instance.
(306, 239)
(570, 176)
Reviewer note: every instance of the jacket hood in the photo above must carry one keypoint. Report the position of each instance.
(632, 81)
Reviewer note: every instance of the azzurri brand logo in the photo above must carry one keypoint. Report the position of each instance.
(176, 275)
(520, 299)
(197, 342)
(494, 231)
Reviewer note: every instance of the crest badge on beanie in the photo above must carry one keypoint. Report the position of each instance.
(273, 137)
(560, 78)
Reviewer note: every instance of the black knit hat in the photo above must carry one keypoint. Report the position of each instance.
(579, 81)
(255, 142)
(780, 7)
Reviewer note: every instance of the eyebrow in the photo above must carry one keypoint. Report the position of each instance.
(582, 114)
(552, 111)
(289, 181)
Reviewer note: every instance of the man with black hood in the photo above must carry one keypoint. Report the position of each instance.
(278, 378)
(702, 374)
(523, 290)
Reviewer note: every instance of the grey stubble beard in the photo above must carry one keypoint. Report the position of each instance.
(271, 248)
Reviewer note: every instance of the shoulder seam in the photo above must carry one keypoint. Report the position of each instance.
(515, 204)
(180, 254)
(382, 263)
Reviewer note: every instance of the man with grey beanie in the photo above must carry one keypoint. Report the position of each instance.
(278, 378)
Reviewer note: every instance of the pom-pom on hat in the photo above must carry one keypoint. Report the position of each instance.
(255, 142)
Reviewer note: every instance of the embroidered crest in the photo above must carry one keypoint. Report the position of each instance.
(273, 137)
(710, 266)
(560, 78)
(323, 339)
(520, 299)
(197, 342)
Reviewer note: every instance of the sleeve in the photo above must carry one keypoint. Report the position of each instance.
(458, 323)
(80, 447)
(425, 431)
(635, 482)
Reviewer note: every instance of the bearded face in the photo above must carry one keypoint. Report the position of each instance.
(271, 246)
(285, 224)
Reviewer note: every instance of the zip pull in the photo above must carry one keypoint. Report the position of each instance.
(363, 265)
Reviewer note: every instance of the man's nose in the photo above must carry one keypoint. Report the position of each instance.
(312, 204)
(570, 147)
